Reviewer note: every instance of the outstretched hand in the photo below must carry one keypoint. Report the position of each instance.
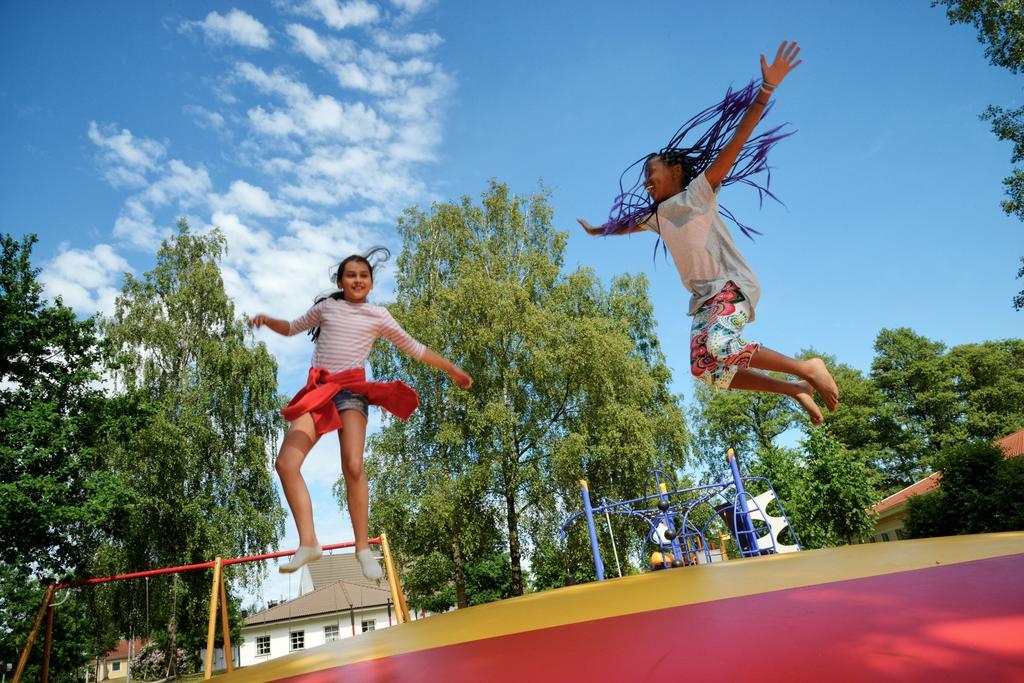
(784, 62)
(259, 320)
(460, 377)
(591, 230)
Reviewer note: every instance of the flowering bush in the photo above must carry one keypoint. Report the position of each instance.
(151, 662)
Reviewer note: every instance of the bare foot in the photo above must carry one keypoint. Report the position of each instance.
(805, 397)
(821, 379)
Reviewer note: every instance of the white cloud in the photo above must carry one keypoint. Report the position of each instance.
(203, 117)
(124, 158)
(246, 199)
(411, 6)
(352, 13)
(135, 226)
(412, 43)
(308, 115)
(179, 183)
(235, 27)
(86, 279)
(309, 43)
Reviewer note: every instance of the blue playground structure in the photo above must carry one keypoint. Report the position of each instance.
(675, 526)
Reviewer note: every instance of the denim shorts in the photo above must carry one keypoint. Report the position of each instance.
(346, 400)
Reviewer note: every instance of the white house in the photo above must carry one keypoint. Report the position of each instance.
(335, 602)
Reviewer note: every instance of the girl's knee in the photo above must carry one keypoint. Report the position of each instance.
(286, 466)
(353, 469)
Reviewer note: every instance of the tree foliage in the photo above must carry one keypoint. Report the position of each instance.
(835, 493)
(980, 492)
(58, 497)
(569, 379)
(920, 399)
(198, 471)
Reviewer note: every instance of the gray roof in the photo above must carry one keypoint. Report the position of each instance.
(336, 597)
(341, 567)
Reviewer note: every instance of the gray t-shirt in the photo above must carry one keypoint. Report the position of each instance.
(702, 245)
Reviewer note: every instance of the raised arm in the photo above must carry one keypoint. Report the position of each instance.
(436, 360)
(592, 230)
(282, 327)
(772, 75)
(391, 330)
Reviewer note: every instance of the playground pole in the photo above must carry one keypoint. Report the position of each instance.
(47, 645)
(23, 660)
(741, 512)
(397, 596)
(212, 625)
(611, 535)
(229, 658)
(589, 510)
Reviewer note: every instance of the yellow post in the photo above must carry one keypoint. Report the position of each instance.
(224, 626)
(44, 677)
(23, 660)
(397, 596)
(214, 593)
(722, 538)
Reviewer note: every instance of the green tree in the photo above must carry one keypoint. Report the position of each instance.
(59, 498)
(924, 409)
(1000, 26)
(979, 492)
(835, 493)
(569, 380)
(989, 380)
(199, 470)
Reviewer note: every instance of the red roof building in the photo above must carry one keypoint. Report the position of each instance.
(115, 663)
(891, 513)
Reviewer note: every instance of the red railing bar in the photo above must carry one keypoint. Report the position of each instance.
(195, 567)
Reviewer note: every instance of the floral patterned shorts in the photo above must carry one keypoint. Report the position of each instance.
(716, 350)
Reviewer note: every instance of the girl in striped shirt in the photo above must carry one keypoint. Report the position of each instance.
(336, 397)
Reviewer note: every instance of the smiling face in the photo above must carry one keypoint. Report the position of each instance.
(356, 281)
(662, 181)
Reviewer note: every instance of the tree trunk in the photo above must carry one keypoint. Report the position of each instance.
(461, 600)
(514, 551)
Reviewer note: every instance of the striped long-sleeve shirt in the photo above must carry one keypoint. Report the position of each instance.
(347, 332)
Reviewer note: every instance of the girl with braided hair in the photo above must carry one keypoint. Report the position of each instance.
(681, 205)
(336, 397)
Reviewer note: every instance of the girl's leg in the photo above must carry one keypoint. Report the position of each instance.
(301, 437)
(813, 370)
(750, 380)
(353, 439)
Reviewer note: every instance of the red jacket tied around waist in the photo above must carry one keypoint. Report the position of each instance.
(317, 397)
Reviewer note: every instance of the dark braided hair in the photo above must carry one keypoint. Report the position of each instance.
(371, 259)
(633, 206)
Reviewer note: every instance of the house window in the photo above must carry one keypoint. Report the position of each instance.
(262, 646)
(369, 625)
(900, 535)
(298, 640)
(331, 633)
(115, 666)
(885, 536)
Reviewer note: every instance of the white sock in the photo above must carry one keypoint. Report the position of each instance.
(371, 568)
(304, 555)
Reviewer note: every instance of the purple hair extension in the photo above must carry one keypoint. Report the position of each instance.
(633, 206)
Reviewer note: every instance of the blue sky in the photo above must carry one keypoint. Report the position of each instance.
(302, 129)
